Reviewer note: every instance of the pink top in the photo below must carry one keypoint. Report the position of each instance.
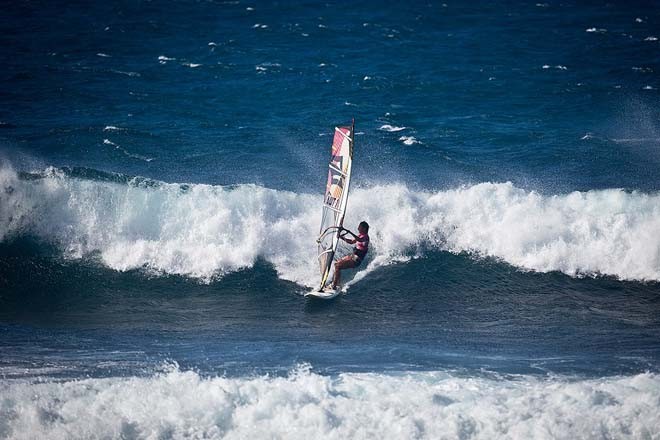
(362, 243)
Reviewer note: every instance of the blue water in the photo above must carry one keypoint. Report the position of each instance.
(161, 173)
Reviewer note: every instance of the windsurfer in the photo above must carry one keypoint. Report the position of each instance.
(361, 241)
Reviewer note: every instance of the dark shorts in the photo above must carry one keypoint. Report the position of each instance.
(358, 256)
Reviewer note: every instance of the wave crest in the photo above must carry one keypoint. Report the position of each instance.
(205, 231)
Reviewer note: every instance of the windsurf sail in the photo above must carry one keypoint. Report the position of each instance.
(335, 199)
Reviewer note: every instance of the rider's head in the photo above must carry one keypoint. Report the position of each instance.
(363, 227)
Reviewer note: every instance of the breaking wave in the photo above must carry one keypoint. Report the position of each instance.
(205, 231)
(183, 404)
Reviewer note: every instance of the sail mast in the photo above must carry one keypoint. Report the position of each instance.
(336, 198)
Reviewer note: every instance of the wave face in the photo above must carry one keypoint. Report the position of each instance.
(205, 231)
(182, 404)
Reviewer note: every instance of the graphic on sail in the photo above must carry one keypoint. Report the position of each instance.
(335, 199)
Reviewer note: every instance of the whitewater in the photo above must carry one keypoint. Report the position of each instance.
(204, 231)
(177, 404)
(162, 169)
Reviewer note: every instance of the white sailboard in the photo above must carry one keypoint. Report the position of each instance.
(334, 207)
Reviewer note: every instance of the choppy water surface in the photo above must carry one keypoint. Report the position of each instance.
(161, 169)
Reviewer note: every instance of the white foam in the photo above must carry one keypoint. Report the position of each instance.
(391, 128)
(103, 55)
(112, 128)
(305, 405)
(205, 231)
(263, 67)
(409, 140)
(558, 67)
(651, 38)
(596, 30)
(192, 65)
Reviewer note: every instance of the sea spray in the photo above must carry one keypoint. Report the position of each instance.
(205, 231)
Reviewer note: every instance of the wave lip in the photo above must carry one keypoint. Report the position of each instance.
(200, 231)
(205, 231)
(307, 405)
(604, 232)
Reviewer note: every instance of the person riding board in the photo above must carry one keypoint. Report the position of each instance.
(361, 242)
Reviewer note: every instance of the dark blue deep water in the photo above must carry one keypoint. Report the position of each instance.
(161, 174)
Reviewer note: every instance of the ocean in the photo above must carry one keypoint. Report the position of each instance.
(162, 168)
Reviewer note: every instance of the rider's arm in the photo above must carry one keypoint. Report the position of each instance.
(348, 240)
